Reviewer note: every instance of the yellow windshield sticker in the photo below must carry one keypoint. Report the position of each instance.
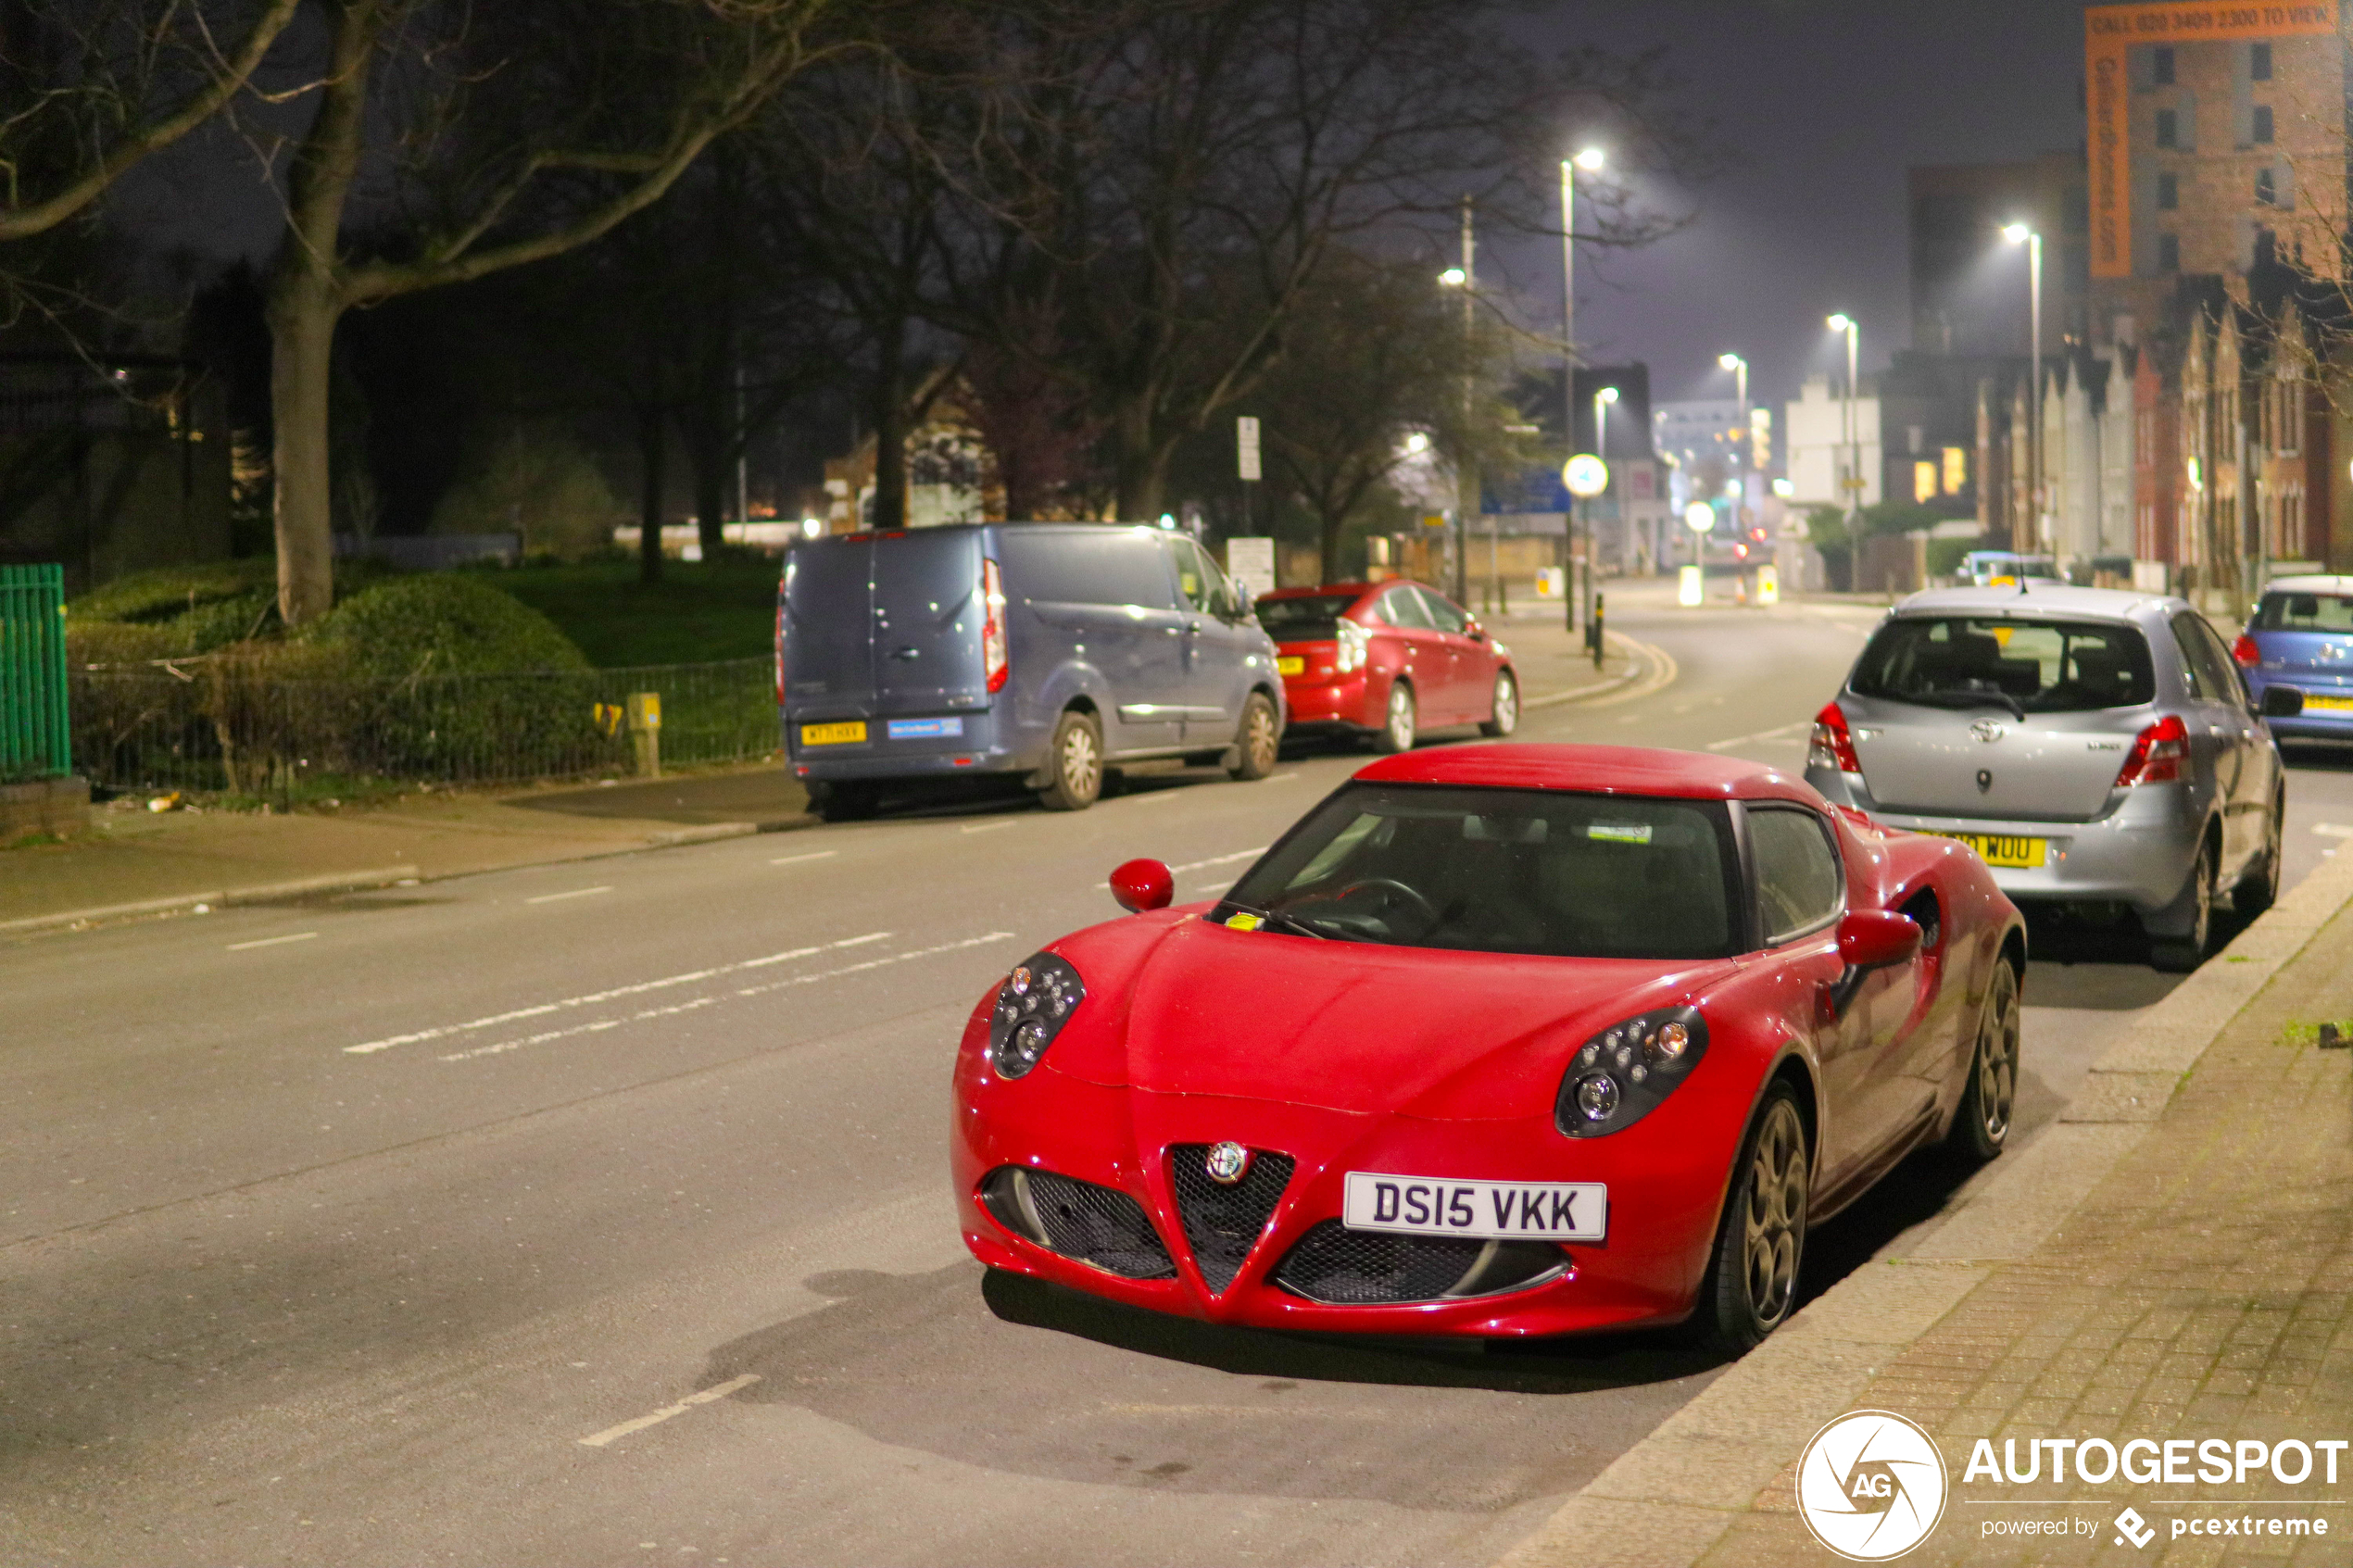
(1245, 922)
(1620, 833)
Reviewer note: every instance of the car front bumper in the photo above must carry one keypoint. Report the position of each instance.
(2140, 852)
(1665, 1188)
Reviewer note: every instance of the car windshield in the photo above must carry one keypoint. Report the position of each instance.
(2305, 612)
(2021, 666)
(1309, 619)
(1502, 870)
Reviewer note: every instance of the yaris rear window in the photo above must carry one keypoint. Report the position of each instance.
(2305, 612)
(1502, 870)
(1314, 617)
(2024, 666)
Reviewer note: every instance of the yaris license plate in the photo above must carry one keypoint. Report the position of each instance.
(2007, 850)
(1476, 1210)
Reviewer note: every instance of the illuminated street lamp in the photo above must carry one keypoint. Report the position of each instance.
(1841, 323)
(2019, 234)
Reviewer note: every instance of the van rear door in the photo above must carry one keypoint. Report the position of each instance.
(928, 618)
(826, 630)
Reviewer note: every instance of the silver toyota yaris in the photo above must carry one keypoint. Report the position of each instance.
(2096, 747)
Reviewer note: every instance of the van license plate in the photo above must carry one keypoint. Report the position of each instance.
(1475, 1210)
(832, 734)
(2007, 850)
(1293, 665)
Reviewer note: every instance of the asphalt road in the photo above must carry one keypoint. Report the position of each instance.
(417, 1226)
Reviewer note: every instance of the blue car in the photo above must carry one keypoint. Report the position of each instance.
(2301, 638)
(1038, 652)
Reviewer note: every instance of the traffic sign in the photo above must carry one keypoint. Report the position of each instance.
(1586, 476)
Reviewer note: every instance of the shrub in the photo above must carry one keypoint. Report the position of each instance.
(543, 484)
(443, 623)
(111, 642)
(175, 591)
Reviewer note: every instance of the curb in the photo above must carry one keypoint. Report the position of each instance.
(1641, 652)
(342, 882)
(1667, 1501)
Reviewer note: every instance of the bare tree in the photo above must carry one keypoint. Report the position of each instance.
(515, 134)
(90, 88)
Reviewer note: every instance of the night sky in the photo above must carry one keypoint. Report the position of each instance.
(1826, 104)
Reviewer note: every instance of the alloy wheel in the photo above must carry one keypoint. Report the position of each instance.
(1774, 1225)
(1082, 765)
(1260, 740)
(1400, 724)
(1997, 1057)
(1505, 718)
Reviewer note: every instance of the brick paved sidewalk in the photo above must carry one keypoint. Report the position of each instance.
(2201, 1291)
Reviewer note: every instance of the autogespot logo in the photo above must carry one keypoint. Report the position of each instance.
(1870, 1485)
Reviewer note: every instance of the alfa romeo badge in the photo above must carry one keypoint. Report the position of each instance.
(1227, 1163)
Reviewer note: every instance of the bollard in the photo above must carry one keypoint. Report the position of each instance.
(645, 732)
(1593, 632)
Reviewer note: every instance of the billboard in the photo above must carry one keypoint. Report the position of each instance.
(2108, 33)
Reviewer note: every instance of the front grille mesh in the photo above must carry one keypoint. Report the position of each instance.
(1222, 1223)
(1335, 1264)
(1094, 1224)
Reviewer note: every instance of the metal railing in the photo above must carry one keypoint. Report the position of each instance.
(35, 738)
(231, 724)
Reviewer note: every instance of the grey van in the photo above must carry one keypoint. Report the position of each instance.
(1042, 650)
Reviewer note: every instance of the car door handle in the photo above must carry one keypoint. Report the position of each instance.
(910, 654)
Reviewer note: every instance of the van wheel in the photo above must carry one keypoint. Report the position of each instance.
(1506, 710)
(2179, 955)
(1075, 764)
(1396, 732)
(849, 802)
(1260, 733)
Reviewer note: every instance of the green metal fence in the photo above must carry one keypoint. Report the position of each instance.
(36, 741)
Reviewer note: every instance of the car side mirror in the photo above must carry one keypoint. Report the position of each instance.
(1143, 885)
(2282, 702)
(1878, 938)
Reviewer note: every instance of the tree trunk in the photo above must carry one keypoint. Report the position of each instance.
(708, 449)
(303, 312)
(1141, 465)
(890, 428)
(653, 446)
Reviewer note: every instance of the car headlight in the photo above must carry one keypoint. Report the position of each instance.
(1619, 1075)
(1033, 1004)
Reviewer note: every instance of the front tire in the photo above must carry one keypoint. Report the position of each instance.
(1404, 719)
(1981, 1126)
(1260, 737)
(2179, 955)
(2260, 889)
(1505, 716)
(1075, 764)
(1750, 1284)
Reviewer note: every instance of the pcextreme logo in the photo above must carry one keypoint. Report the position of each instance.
(1870, 1485)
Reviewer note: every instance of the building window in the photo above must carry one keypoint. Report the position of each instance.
(1956, 469)
(2163, 67)
(1923, 482)
(2267, 192)
(2258, 62)
(2169, 253)
(2168, 129)
(2169, 191)
(2262, 125)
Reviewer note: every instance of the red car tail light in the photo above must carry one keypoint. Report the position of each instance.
(780, 650)
(992, 627)
(2157, 755)
(1834, 744)
(2246, 652)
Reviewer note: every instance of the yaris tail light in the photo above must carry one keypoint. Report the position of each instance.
(2157, 754)
(2246, 652)
(992, 627)
(1833, 743)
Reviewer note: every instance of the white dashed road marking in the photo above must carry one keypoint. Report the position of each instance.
(1761, 734)
(2332, 830)
(990, 827)
(575, 893)
(613, 1434)
(593, 998)
(1220, 859)
(273, 941)
(795, 859)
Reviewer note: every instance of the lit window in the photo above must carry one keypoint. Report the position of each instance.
(1923, 482)
(1956, 469)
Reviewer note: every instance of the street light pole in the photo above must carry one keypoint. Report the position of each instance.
(1591, 160)
(2014, 233)
(1738, 366)
(1842, 322)
(1466, 466)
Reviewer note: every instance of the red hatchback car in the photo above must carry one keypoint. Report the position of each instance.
(1496, 1041)
(1387, 660)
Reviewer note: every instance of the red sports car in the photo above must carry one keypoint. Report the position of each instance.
(1386, 660)
(1495, 1041)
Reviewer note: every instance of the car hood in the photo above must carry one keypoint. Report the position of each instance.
(1348, 1026)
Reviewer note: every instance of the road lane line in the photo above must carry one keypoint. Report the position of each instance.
(614, 1434)
(2332, 830)
(575, 893)
(591, 998)
(795, 859)
(271, 941)
(1761, 734)
(1220, 859)
(599, 1026)
(989, 827)
(1278, 778)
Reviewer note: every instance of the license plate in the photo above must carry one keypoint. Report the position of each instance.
(832, 734)
(2332, 704)
(1290, 665)
(2007, 850)
(1476, 1210)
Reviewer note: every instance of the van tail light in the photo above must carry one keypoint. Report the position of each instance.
(2157, 755)
(2246, 652)
(780, 650)
(1832, 744)
(992, 627)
